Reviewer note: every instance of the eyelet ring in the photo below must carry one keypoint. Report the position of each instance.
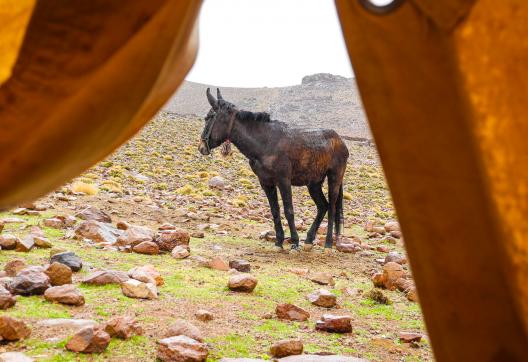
(382, 9)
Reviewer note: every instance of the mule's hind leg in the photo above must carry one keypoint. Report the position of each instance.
(334, 183)
(316, 192)
(271, 193)
(339, 220)
(285, 190)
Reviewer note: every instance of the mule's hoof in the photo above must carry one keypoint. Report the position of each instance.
(278, 249)
(308, 247)
(294, 250)
(328, 250)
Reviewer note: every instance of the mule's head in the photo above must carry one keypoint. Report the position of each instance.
(218, 123)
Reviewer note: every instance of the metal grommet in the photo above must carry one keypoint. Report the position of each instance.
(381, 7)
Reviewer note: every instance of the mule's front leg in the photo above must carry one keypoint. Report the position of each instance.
(271, 194)
(285, 190)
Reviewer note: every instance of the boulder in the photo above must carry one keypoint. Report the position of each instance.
(391, 273)
(59, 274)
(54, 222)
(135, 289)
(15, 357)
(169, 239)
(98, 232)
(181, 349)
(146, 247)
(412, 294)
(204, 315)
(64, 294)
(29, 281)
(242, 283)
(216, 182)
(68, 258)
(6, 299)
(180, 252)
(322, 278)
(93, 213)
(322, 298)
(14, 266)
(183, 328)
(409, 337)
(348, 247)
(286, 347)
(123, 327)
(25, 244)
(395, 257)
(218, 263)
(147, 274)
(334, 324)
(12, 329)
(89, 340)
(392, 226)
(240, 265)
(133, 235)
(104, 277)
(291, 312)
(42, 242)
(8, 242)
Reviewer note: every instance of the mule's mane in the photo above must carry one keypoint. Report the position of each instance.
(253, 116)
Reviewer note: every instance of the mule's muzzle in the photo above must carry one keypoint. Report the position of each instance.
(204, 150)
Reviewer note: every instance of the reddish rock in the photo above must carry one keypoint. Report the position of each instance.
(89, 340)
(55, 223)
(322, 278)
(334, 324)
(378, 280)
(291, 312)
(169, 239)
(391, 273)
(396, 234)
(412, 294)
(42, 242)
(240, 265)
(13, 267)
(146, 247)
(135, 289)
(322, 298)
(12, 329)
(133, 235)
(8, 242)
(146, 273)
(181, 349)
(123, 327)
(218, 263)
(392, 226)
(183, 328)
(404, 284)
(98, 232)
(167, 226)
(286, 347)
(59, 274)
(64, 294)
(25, 244)
(395, 257)
(180, 252)
(6, 299)
(93, 213)
(104, 277)
(408, 337)
(29, 281)
(242, 283)
(348, 247)
(204, 315)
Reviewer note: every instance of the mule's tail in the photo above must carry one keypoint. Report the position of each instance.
(339, 218)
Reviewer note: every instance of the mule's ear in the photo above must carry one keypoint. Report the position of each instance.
(212, 101)
(219, 95)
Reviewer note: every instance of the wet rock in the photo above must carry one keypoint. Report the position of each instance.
(395, 257)
(64, 294)
(334, 324)
(42, 242)
(13, 267)
(59, 274)
(204, 315)
(240, 265)
(135, 289)
(15, 357)
(12, 329)
(133, 234)
(180, 252)
(89, 340)
(322, 278)
(6, 299)
(183, 328)
(322, 298)
(287, 347)
(104, 277)
(29, 281)
(93, 213)
(68, 258)
(146, 247)
(123, 327)
(147, 274)
(181, 349)
(392, 226)
(408, 337)
(216, 182)
(242, 283)
(8, 242)
(218, 263)
(98, 232)
(169, 239)
(291, 312)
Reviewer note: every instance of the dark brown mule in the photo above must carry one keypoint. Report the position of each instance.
(282, 156)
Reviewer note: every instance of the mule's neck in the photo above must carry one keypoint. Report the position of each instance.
(251, 137)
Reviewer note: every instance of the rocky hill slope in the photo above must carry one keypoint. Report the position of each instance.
(321, 100)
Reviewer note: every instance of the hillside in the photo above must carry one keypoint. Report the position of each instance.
(321, 100)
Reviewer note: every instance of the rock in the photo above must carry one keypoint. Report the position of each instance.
(198, 234)
(135, 289)
(322, 278)
(68, 258)
(378, 230)
(396, 234)
(8, 242)
(240, 265)
(412, 294)
(6, 299)
(181, 349)
(348, 247)
(93, 213)
(133, 234)
(180, 252)
(42, 242)
(13, 267)
(268, 235)
(1, 226)
(12, 220)
(404, 284)
(395, 257)
(15, 357)
(64, 294)
(104, 277)
(408, 337)
(378, 280)
(286, 347)
(322, 298)
(29, 281)
(391, 273)
(146, 247)
(65, 323)
(167, 226)
(377, 296)
(291, 312)
(56, 250)
(317, 358)
(218, 263)
(203, 315)
(216, 182)
(12, 329)
(54, 222)
(123, 327)
(147, 274)
(334, 324)
(183, 328)
(391, 226)
(89, 340)
(169, 239)
(388, 240)
(242, 283)
(59, 274)
(98, 232)
(25, 244)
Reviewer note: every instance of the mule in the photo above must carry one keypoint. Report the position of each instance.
(282, 156)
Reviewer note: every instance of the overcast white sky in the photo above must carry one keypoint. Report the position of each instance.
(256, 43)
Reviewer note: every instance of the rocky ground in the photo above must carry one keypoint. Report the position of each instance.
(160, 252)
